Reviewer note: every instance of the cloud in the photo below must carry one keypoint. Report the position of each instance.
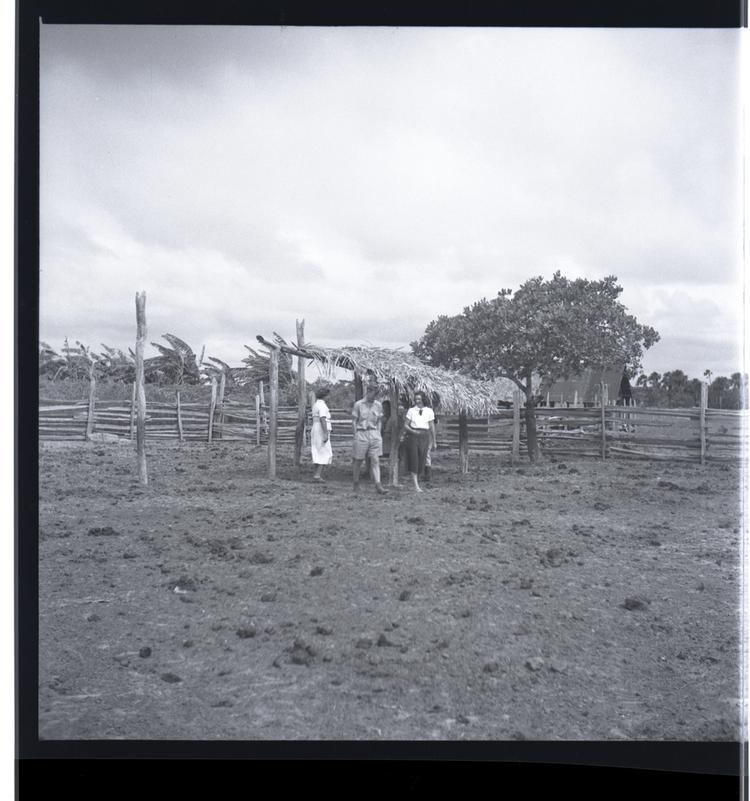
(371, 179)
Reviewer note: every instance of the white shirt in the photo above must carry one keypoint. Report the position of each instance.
(418, 420)
(320, 409)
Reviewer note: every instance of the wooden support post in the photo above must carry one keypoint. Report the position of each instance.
(92, 403)
(140, 342)
(257, 419)
(463, 442)
(132, 413)
(704, 403)
(299, 433)
(274, 421)
(516, 444)
(222, 387)
(603, 388)
(359, 390)
(395, 432)
(260, 392)
(212, 409)
(179, 417)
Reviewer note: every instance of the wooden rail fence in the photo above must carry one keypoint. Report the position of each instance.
(697, 434)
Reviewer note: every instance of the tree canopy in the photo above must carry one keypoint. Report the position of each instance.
(553, 329)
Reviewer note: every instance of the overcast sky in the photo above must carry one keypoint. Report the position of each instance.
(370, 179)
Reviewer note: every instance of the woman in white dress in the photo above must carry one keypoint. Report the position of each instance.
(320, 436)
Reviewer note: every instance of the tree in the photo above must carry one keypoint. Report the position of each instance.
(175, 365)
(554, 328)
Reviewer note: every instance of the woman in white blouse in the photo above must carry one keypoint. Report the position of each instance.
(419, 428)
(320, 436)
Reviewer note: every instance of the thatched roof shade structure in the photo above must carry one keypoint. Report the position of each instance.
(453, 391)
(395, 371)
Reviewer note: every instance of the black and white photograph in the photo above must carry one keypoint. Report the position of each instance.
(391, 384)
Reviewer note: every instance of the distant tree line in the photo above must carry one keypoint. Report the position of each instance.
(674, 389)
(175, 365)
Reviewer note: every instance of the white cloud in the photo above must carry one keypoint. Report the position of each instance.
(371, 179)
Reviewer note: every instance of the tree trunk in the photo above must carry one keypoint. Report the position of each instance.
(516, 443)
(532, 444)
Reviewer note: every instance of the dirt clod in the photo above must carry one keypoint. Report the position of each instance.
(106, 531)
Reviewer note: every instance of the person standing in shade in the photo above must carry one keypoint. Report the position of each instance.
(419, 427)
(367, 419)
(320, 436)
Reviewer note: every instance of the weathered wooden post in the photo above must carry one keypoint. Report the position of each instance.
(260, 392)
(140, 342)
(299, 434)
(274, 410)
(179, 417)
(463, 441)
(220, 402)
(212, 409)
(92, 402)
(603, 388)
(257, 419)
(393, 395)
(516, 444)
(359, 390)
(132, 412)
(704, 403)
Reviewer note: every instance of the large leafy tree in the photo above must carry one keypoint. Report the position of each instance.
(552, 328)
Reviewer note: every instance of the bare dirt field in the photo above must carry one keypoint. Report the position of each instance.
(570, 600)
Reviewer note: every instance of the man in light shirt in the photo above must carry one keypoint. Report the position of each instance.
(367, 419)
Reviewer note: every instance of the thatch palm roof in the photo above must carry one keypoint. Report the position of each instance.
(454, 392)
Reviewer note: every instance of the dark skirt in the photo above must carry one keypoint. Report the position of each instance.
(416, 450)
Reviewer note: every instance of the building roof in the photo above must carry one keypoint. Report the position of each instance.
(586, 385)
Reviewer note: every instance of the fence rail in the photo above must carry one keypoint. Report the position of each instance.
(608, 431)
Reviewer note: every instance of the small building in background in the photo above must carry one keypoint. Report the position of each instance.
(585, 389)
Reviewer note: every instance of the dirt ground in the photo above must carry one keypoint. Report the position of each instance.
(570, 600)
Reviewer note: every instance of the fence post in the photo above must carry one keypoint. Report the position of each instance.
(257, 419)
(140, 314)
(274, 421)
(463, 442)
(299, 433)
(222, 387)
(211, 409)
(704, 403)
(395, 432)
(516, 445)
(179, 417)
(603, 389)
(132, 413)
(92, 403)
